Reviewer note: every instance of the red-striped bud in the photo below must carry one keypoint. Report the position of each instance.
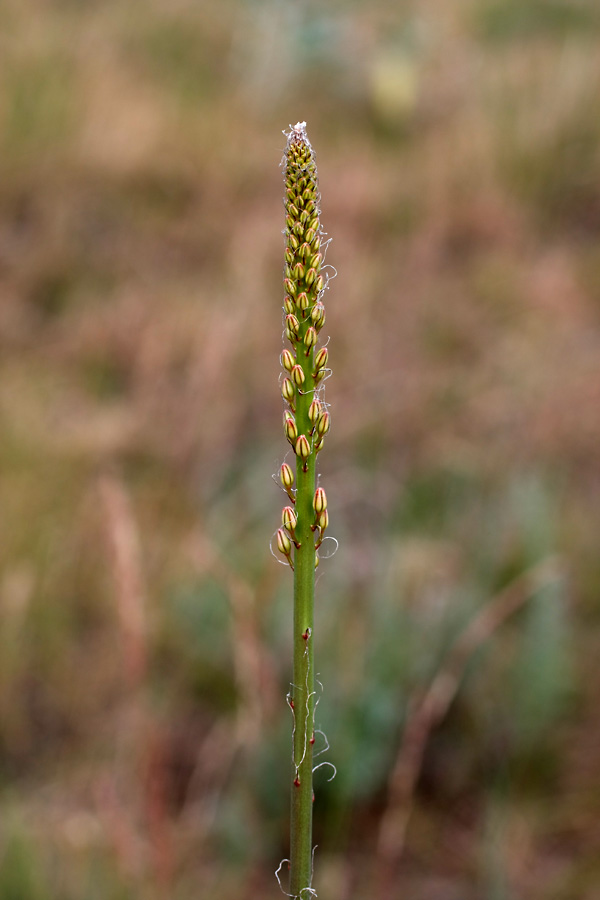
(288, 391)
(302, 447)
(286, 476)
(314, 411)
(323, 424)
(289, 426)
(289, 519)
(317, 315)
(319, 501)
(321, 359)
(302, 301)
(310, 276)
(310, 338)
(288, 360)
(284, 545)
(298, 376)
(289, 286)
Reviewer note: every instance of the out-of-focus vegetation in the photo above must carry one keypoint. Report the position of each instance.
(140, 293)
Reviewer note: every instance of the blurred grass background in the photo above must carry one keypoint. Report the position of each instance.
(140, 294)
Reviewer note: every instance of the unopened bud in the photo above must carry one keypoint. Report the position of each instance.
(316, 560)
(310, 338)
(323, 423)
(317, 315)
(284, 545)
(302, 301)
(289, 286)
(298, 228)
(304, 250)
(289, 519)
(293, 210)
(290, 221)
(288, 391)
(310, 276)
(289, 255)
(323, 520)
(288, 305)
(298, 376)
(289, 426)
(293, 242)
(319, 501)
(302, 447)
(321, 359)
(310, 234)
(304, 217)
(298, 271)
(292, 324)
(316, 261)
(288, 360)
(314, 411)
(286, 476)
(319, 284)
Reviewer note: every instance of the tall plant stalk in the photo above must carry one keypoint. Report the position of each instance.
(305, 519)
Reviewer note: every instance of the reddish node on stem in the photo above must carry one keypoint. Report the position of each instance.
(291, 704)
(306, 634)
(312, 740)
(297, 781)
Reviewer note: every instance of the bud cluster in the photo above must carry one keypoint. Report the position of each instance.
(306, 420)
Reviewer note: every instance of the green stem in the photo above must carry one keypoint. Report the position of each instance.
(303, 689)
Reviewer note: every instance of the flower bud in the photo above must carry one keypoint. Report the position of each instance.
(310, 276)
(310, 205)
(290, 287)
(298, 376)
(314, 223)
(316, 261)
(298, 228)
(314, 411)
(308, 193)
(289, 426)
(323, 423)
(298, 271)
(289, 221)
(293, 210)
(322, 520)
(289, 255)
(316, 243)
(293, 242)
(292, 324)
(288, 391)
(310, 338)
(288, 305)
(319, 284)
(316, 560)
(319, 501)
(288, 360)
(302, 447)
(304, 217)
(321, 358)
(310, 234)
(302, 301)
(289, 519)
(290, 193)
(319, 376)
(284, 545)
(317, 315)
(286, 476)
(304, 250)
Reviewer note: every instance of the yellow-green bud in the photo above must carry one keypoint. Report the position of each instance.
(298, 271)
(286, 476)
(289, 426)
(314, 411)
(293, 242)
(293, 210)
(316, 261)
(297, 376)
(299, 228)
(288, 391)
(289, 221)
(304, 250)
(317, 315)
(319, 284)
(284, 545)
(288, 305)
(288, 360)
(289, 519)
(310, 276)
(304, 217)
(321, 359)
(323, 423)
(310, 234)
(310, 338)
(289, 286)
(302, 447)
(323, 520)
(302, 301)
(319, 501)
(292, 324)
(289, 255)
